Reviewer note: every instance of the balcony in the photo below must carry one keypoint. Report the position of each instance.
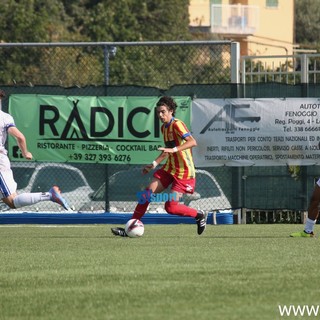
(234, 19)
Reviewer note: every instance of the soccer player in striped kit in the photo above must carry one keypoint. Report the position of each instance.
(178, 170)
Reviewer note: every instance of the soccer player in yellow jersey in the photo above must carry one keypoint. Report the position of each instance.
(178, 170)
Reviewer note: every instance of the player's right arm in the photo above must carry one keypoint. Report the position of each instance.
(157, 161)
(21, 141)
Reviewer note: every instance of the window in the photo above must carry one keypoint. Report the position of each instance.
(206, 186)
(66, 179)
(133, 180)
(272, 3)
(22, 176)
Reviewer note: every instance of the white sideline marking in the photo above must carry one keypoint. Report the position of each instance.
(44, 226)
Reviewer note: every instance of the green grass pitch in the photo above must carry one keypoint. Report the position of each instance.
(83, 272)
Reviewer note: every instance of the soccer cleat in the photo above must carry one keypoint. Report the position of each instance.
(119, 232)
(55, 196)
(202, 222)
(302, 234)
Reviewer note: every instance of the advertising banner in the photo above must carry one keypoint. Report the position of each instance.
(261, 132)
(91, 129)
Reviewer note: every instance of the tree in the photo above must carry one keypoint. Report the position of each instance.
(134, 21)
(100, 21)
(307, 21)
(30, 21)
(130, 20)
(34, 21)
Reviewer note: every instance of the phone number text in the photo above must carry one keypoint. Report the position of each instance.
(306, 129)
(100, 157)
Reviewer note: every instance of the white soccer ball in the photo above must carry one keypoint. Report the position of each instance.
(134, 228)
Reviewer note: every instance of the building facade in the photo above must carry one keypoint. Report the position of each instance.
(262, 27)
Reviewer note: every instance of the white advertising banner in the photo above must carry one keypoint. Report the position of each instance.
(261, 132)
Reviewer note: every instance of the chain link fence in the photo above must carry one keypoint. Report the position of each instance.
(196, 69)
(113, 69)
(151, 64)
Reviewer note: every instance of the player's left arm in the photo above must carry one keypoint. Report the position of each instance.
(21, 141)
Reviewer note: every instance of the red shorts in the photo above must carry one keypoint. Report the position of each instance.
(179, 185)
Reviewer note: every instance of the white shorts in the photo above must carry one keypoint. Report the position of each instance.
(318, 182)
(8, 185)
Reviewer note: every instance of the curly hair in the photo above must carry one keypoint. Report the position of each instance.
(169, 102)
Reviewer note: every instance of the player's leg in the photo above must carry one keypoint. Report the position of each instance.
(55, 196)
(8, 188)
(173, 206)
(142, 206)
(27, 199)
(180, 187)
(313, 213)
(154, 187)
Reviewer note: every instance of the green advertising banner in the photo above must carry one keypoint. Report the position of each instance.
(91, 129)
